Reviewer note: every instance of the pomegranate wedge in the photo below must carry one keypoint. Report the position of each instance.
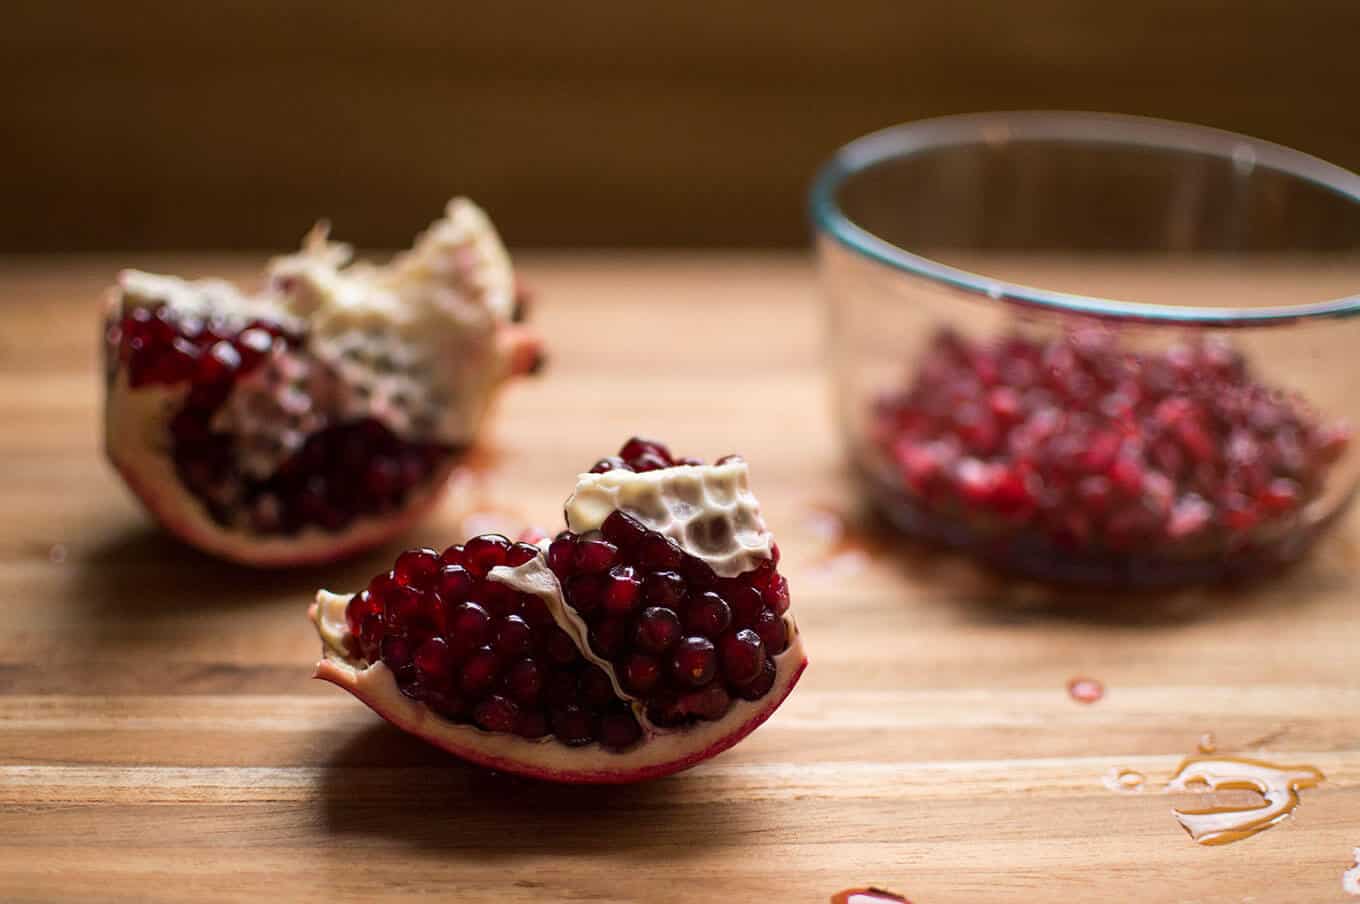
(323, 414)
(650, 635)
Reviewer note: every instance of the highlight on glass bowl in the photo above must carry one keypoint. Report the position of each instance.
(1095, 349)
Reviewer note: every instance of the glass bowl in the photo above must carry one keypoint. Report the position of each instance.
(995, 396)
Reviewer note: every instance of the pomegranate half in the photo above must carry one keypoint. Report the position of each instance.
(323, 414)
(650, 635)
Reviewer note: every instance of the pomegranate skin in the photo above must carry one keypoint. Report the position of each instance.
(323, 415)
(531, 758)
(552, 683)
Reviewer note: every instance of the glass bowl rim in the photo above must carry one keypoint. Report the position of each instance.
(1084, 127)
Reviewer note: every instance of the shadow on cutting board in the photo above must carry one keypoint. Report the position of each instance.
(981, 593)
(144, 570)
(387, 784)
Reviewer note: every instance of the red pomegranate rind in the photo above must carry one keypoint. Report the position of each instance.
(1076, 458)
(489, 658)
(321, 416)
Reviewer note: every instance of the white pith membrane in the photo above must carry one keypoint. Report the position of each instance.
(419, 345)
(723, 493)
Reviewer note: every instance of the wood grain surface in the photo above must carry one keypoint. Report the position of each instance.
(160, 739)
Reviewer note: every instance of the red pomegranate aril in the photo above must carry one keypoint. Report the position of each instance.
(697, 573)
(534, 611)
(641, 673)
(573, 725)
(561, 555)
(512, 637)
(658, 553)
(219, 365)
(1280, 495)
(623, 590)
(609, 637)
(745, 603)
(434, 660)
(772, 630)
(531, 724)
(417, 568)
(710, 703)
(694, 662)
(649, 461)
(432, 614)
(469, 624)
(483, 553)
(252, 345)
(524, 682)
(595, 687)
(452, 555)
(657, 630)
(728, 459)
(561, 687)
(1189, 516)
(776, 595)
(479, 672)
(637, 447)
(761, 685)
(396, 652)
(401, 606)
(455, 584)
(381, 585)
(371, 632)
(496, 713)
(586, 592)
(619, 729)
(521, 553)
(361, 605)
(709, 615)
(623, 530)
(613, 463)
(742, 654)
(496, 598)
(664, 588)
(593, 554)
(560, 648)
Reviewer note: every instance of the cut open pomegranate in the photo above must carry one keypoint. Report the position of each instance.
(651, 634)
(323, 414)
(1079, 459)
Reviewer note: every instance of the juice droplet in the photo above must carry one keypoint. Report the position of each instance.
(1124, 781)
(844, 550)
(1207, 743)
(867, 896)
(1350, 879)
(1278, 785)
(1085, 690)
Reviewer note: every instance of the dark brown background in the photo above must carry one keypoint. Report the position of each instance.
(235, 124)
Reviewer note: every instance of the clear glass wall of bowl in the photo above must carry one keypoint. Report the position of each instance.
(994, 396)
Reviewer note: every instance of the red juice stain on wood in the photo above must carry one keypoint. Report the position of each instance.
(869, 895)
(1085, 690)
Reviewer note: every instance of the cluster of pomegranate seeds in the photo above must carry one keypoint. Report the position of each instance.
(477, 651)
(679, 637)
(341, 473)
(1089, 448)
(159, 346)
(640, 455)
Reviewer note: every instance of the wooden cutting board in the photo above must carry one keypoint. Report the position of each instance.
(160, 738)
